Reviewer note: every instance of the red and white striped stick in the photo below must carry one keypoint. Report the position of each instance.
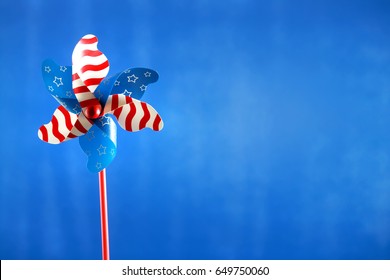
(103, 215)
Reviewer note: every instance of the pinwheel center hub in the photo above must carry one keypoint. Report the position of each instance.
(93, 112)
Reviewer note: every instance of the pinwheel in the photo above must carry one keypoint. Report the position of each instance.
(89, 103)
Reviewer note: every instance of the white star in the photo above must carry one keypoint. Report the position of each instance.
(101, 150)
(58, 81)
(105, 120)
(143, 87)
(147, 74)
(106, 81)
(77, 108)
(98, 165)
(63, 68)
(127, 92)
(127, 71)
(47, 69)
(132, 79)
(117, 83)
(112, 152)
(51, 88)
(90, 135)
(68, 93)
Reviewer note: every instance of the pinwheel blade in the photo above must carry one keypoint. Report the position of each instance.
(58, 81)
(99, 144)
(90, 64)
(63, 126)
(132, 82)
(115, 102)
(137, 115)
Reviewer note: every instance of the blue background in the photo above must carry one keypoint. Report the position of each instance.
(276, 142)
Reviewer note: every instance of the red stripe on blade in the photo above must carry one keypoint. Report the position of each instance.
(90, 67)
(117, 112)
(43, 131)
(82, 89)
(80, 127)
(68, 121)
(88, 40)
(146, 116)
(75, 76)
(93, 81)
(156, 123)
(89, 102)
(114, 102)
(57, 134)
(91, 53)
(130, 117)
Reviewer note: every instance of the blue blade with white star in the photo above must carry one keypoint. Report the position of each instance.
(132, 82)
(99, 143)
(58, 81)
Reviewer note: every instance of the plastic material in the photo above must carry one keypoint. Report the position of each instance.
(90, 101)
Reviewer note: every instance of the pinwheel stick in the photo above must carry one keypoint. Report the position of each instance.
(103, 215)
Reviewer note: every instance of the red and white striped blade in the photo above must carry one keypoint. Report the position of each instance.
(84, 96)
(89, 63)
(132, 114)
(116, 101)
(64, 126)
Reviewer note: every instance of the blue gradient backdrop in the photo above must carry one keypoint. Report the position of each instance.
(276, 144)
